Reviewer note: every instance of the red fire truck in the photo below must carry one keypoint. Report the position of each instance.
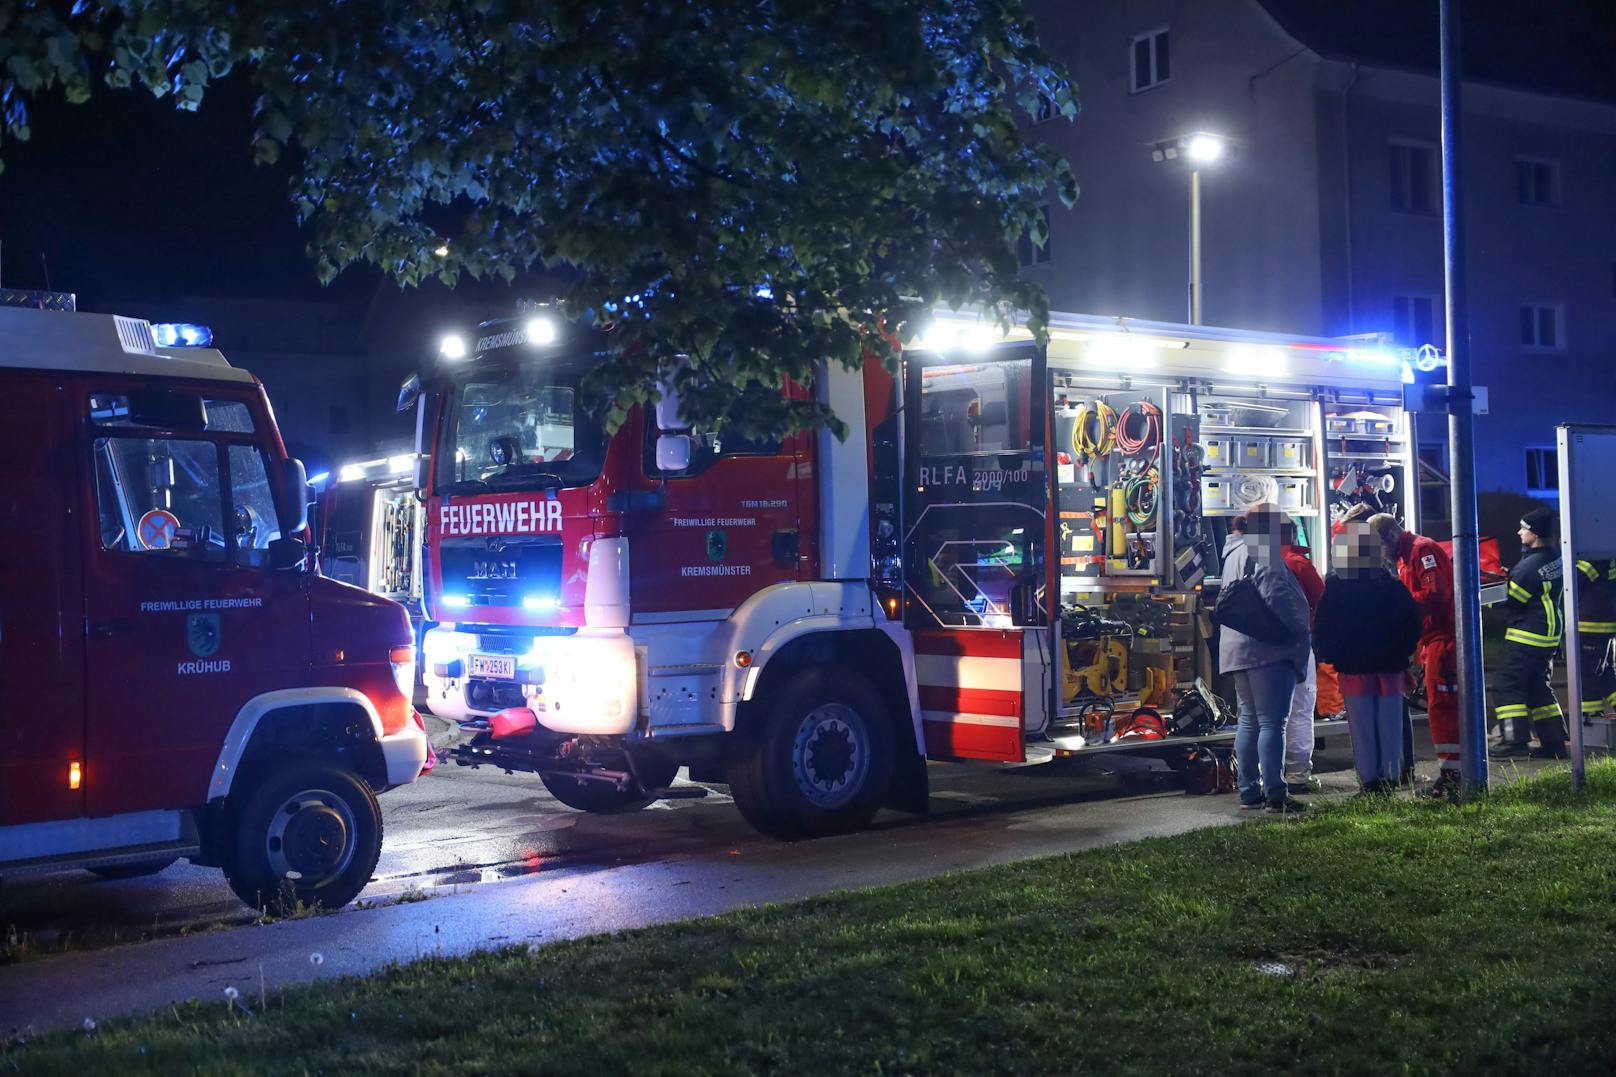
(1004, 561)
(179, 683)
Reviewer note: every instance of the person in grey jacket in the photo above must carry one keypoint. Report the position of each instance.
(1265, 674)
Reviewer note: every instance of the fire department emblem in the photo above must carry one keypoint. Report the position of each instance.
(717, 545)
(202, 634)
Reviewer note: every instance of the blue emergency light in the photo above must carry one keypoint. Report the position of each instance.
(181, 335)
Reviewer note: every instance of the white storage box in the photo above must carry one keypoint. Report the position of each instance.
(1293, 493)
(1251, 453)
(1216, 493)
(1218, 453)
(1293, 452)
(1341, 424)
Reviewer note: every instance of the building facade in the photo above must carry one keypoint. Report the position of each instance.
(1324, 215)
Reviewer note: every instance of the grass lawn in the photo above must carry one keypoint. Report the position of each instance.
(1368, 938)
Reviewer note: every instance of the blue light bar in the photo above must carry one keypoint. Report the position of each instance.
(181, 335)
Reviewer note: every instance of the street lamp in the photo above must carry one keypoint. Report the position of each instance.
(1199, 149)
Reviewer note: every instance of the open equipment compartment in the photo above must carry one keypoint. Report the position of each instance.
(1158, 436)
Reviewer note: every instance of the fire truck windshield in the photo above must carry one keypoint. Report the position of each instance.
(519, 427)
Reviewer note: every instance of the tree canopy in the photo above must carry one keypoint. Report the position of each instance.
(741, 188)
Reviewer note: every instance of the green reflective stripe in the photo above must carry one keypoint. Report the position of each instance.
(1510, 710)
(1593, 706)
(1519, 593)
(1551, 711)
(1598, 628)
(1587, 569)
(1531, 639)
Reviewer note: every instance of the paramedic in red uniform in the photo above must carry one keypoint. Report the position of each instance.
(1427, 571)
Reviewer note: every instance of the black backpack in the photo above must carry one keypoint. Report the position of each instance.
(1242, 607)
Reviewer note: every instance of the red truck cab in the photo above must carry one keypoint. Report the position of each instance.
(180, 683)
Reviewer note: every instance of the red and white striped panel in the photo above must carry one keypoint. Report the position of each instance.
(970, 694)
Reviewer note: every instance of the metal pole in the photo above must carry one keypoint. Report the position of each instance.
(1461, 429)
(1573, 610)
(1195, 246)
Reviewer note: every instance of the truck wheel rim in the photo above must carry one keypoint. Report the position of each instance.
(830, 755)
(310, 838)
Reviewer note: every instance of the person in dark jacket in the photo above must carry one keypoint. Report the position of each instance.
(1523, 692)
(1367, 627)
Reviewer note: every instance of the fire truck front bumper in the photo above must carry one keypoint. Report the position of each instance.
(586, 682)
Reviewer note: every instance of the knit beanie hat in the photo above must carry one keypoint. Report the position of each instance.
(1539, 521)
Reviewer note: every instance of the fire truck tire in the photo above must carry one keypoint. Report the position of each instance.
(819, 762)
(308, 834)
(133, 871)
(601, 798)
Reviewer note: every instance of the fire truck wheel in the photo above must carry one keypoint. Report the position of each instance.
(821, 759)
(602, 798)
(133, 871)
(309, 834)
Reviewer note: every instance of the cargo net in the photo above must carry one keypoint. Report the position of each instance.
(66, 302)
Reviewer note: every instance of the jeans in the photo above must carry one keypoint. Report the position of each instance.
(1377, 737)
(1259, 740)
(1299, 727)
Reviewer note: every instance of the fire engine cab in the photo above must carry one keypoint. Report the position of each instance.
(1007, 559)
(179, 683)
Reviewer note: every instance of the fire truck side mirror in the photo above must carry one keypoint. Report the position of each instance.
(287, 553)
(673, 452)
(409, 392)
(289, 485)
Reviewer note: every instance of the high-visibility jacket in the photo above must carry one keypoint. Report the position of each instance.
(1596, 597)
(1534, 596)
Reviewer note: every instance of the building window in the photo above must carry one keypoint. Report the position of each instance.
(1543, 470)
(1543, 327)
(1537, 183)
(1413, 176)
(1414, 319)
(1031, 250)
(1152, 63)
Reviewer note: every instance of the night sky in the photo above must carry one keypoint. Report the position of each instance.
(128, 198)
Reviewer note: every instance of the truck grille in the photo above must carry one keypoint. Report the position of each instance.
(502, 571)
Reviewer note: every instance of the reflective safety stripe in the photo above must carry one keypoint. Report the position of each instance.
(1593, 706)
(1519, 593)
(1588, 570)
(1598, 628)
(1446, 749)
(1531, 639)
(1551, 711)
(1510, 710)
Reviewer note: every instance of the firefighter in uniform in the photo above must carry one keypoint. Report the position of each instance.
(1524, 699)
(1427, 571)
(1596, 628)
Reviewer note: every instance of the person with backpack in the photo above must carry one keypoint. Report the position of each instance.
(1367, 625)
(1263, 644)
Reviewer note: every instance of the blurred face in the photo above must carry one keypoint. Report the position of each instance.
(1357, 551)
(1262, 536)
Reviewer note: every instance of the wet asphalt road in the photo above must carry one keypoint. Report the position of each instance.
(461, 828)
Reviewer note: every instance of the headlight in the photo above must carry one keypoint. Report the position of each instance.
(403, 660)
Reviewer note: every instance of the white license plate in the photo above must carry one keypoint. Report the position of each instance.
(493, 665)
